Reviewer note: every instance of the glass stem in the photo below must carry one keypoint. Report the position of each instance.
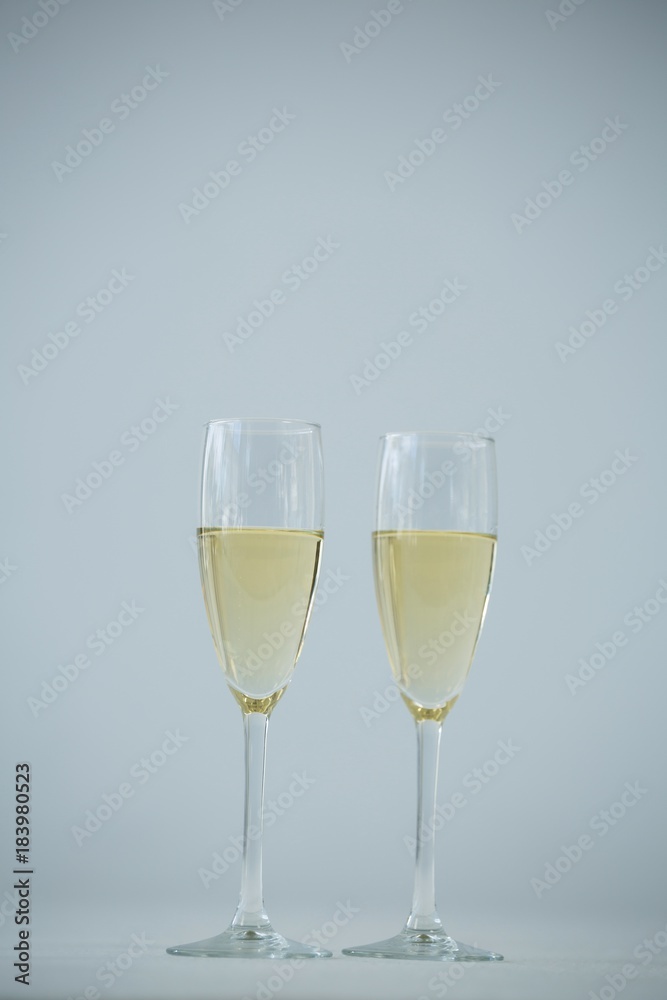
(424, 916)
(250, 911)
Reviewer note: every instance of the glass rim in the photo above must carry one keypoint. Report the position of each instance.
(439, 434)
(263, 420)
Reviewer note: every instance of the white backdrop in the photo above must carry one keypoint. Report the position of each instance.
(483, 184)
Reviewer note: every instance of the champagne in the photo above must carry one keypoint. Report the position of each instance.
(432, 590)
(258, 585)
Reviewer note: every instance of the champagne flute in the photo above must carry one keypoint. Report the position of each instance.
(433, 556)
(260, 541)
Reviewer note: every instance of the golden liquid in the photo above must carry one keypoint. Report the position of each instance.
(258, 585)
(432, 590)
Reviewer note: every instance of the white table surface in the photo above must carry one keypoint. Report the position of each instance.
(555, 961)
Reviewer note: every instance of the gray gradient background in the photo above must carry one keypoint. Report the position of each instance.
(494, 347)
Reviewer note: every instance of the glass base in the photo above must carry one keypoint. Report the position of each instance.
(248, 942)
(427, 946)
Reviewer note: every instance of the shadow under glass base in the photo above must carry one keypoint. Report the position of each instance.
(427, 946)
(248, 942)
